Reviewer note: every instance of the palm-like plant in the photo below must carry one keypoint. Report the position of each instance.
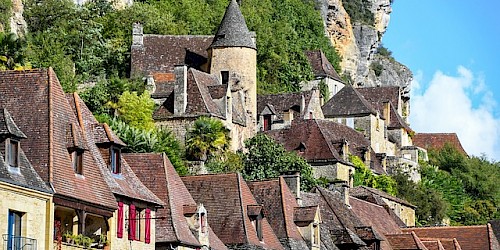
(12, 51)
(207, 137)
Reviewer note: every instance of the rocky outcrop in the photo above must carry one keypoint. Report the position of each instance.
(358, 42)
(17, 23)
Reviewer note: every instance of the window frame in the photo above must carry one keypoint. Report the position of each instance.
(12, 147)
(115, 160)
(77, 161)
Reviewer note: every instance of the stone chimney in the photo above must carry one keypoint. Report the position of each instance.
(341, 187)
(292, 179)
(180, 89)
(137, 35)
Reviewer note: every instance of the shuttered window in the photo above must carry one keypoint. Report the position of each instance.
(131, 222)
(119, 230)
(147, 226)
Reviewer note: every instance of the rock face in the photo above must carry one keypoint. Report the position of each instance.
(357, 43)
(16, 23)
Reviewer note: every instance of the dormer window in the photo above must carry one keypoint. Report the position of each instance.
(115, 160)
(267, 122)
(224, 77)
(255, 214)
(315, 234)
(77, 161)
(12, 152)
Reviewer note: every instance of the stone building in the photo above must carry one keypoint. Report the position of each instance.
(297, 227)
(437, 141)
(323, 72)
(184, 223)
(26, 208)
(193, 76)
(95, 193)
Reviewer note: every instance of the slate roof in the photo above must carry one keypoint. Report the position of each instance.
(469, 237)
(8, 127)
(346, 103)
(281, 103)
(320, 65)
(281, 208)
(437, 141)
(160, 53)
(25, 176)
(406, 241)
(340, 224)
(233, 31)
(158, 174)
(226, 198)
(321, 139)
(37, 104)
(363, 192)
(126, 183)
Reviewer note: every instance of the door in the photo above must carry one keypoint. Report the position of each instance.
(14, 231)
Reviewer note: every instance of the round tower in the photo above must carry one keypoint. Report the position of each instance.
(233, 52)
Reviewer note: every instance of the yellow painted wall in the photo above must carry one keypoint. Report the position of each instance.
(124, 243)
(37, 221)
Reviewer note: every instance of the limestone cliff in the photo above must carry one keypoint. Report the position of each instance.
(357, 42)
(16, 23)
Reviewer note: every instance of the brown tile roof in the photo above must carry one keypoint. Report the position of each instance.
(36, 102)
(320, 65)
(348, 102)
(437, 141)
(495, 226)
(340, 223)
(444, 243)
(469, 237)
(304, 214)
(226, 198)
(161, 53)
(126, 183)
(163, 90)
(158, 174)
(363, 192)
(279, 206)
(321, 139)
(406, 241)
(284, 102)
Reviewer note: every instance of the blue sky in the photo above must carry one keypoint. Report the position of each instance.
(453, 50)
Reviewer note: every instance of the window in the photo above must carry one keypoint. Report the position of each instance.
(115, 160)
(14, 239)
(267, 122)
(315, 234)
(77, 161)
(203, 222)
(137, 233)
(258, 227)
(12, 152)
(225, 77)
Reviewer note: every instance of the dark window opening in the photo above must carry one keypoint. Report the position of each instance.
(77, 161)
(267, 122)
(13, 153)
(225, 77)
(115, 160)
(14, 239)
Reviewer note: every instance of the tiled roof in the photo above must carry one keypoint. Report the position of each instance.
(469, 237)
(406, 241)
(102, 134)
(284, 102)
(340, 224)
(320, 64)
(8, 127)
(304, 214)
(347, 102)
(226, 197)
(126, 183)
(362, 192)
(161, 53)
(441, 243)
(37, 104)
(437, 141)
(321, 139)
(279, 205)
(158, 174)
(233, 31)
(495, 226)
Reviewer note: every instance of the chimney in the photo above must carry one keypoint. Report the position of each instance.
(137, 35)
(341, 187)
(292, 179)
(180, 89)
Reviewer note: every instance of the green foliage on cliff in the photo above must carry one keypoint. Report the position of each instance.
(5, 13)
(359, 11)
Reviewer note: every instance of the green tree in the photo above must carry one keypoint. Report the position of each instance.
(12, 52)
(207, 138)
(136, 110)
(264, 159)
(363, 176)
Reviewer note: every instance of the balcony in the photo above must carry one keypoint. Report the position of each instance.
(18, 243)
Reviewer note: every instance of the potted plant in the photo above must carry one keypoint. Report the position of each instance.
(87, 241)
(68, 237)
(78, 239)
(103, 241)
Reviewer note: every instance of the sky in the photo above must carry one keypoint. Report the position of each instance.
(453, 49)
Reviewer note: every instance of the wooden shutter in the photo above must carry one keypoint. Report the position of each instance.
(147, 229)
(131, 222)
(119, 230)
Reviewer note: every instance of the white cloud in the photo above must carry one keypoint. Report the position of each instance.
(446, 106)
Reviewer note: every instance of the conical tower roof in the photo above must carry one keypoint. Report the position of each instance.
(233, 31)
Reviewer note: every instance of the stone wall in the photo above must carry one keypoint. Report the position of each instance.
(179, 127)
(37, 221)
(405, 213)
(332, 171)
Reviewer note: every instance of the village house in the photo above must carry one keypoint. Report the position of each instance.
(436, 141)
(297, 227)
(95, 193)
(324, 72)
(235, 216)
(193, 76)
(327, 145)
(181, 223)
(22, 225)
